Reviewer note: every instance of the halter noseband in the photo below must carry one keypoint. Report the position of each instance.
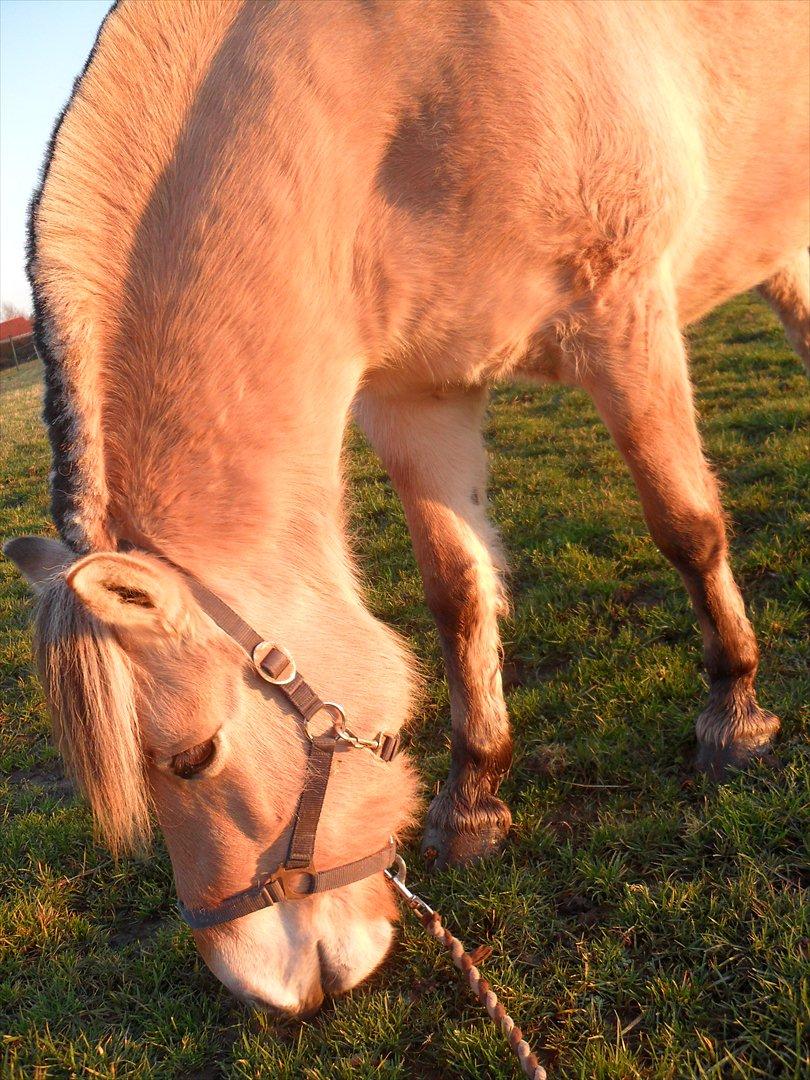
(296, 878)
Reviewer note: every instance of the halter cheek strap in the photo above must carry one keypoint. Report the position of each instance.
(296, 878)
(275, 665)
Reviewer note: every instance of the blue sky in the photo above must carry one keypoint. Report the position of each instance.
(43, 47)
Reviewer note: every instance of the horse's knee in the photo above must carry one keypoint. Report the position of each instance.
(452, 592)
(693, 540)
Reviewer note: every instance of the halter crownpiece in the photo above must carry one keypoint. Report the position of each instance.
(296, 878)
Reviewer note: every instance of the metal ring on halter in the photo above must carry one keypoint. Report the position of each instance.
(338, 720)
(258, 655)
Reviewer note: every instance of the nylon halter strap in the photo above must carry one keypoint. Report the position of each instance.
(296, 878)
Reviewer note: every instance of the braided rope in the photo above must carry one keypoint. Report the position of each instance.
(466, 963)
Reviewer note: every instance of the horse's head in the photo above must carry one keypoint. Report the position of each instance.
(156, 709)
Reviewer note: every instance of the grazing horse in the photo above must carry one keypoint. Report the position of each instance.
(260, 219)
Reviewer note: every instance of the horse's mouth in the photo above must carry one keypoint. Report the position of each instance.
(307, 1010)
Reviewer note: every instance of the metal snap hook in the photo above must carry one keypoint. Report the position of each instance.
(397, 879)
(401, 871)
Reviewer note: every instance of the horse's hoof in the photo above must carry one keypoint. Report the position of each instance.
(719, 762)
(733, 731)
(455, 838)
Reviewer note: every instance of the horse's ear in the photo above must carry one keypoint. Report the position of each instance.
(38, 558)
(132, 593)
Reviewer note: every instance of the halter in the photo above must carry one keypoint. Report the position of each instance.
(295, 878)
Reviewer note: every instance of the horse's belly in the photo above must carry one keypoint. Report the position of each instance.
(756, 214)
(752, 243)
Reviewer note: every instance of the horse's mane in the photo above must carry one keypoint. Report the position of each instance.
(111, 144)
(90, 689)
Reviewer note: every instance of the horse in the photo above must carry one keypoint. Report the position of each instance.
(258, 221)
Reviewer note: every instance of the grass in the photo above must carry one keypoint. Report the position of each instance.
(644, 924)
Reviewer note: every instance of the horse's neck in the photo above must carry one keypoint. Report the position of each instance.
(253, 507)
(230, 459)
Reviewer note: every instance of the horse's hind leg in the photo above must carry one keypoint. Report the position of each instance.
(638, 377)
(788, 293)
(432, 446)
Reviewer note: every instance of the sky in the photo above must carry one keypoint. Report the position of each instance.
(43, 47)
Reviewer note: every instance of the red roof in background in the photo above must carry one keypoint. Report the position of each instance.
(15, 328)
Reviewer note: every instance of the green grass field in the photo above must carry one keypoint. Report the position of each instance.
(643, 923)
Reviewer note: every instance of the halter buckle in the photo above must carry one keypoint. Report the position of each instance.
(281, 675)
(289, 884)
(385, 746)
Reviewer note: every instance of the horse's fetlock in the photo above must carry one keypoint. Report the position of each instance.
(485, 763)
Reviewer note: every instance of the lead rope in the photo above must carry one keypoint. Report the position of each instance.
(467, 965)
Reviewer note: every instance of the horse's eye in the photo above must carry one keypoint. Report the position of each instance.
(195, 760)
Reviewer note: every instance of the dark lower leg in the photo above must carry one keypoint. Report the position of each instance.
(466, 819)
(733, 728)
(433, 450)
(647, 404)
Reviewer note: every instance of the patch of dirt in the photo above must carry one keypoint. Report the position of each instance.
(50, 779)
(573, 817)
(218, 1067)
(582, 910)
(135, 930)
(419, 987)
(207, 1072)
(427, 1072)
(642, 595)
(535, 958)
(629, 1023)
(547, 1058)
(549, 761)
(517, 673)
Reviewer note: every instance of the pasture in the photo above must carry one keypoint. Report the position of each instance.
(644, 924)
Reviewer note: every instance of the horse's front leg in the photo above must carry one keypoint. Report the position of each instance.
(432, 447)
